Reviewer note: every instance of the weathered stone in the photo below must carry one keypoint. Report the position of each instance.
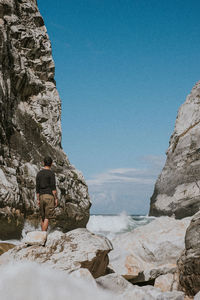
(70, 251)
(197, 296)
(35, 238)
(30, 126)
(149, 251)
(120, 286)
(11, 223)
(85, 275)
(189, 262)
(158, 295)
(5, 247)
(177, 190)
(114, 282)
(165, 282)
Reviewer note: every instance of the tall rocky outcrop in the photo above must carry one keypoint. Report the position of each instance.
(189, 262)
(177, 190)
(30, 127)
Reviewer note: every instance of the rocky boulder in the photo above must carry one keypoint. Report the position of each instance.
(197, 296)
(189, 262)
(127, 291)
(4, 247)
(85, 275)
(30, 124)
(168, 282)
(177, 190)
(35, 238)
(70, 251)
(149, 251)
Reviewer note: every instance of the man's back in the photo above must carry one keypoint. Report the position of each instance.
(45, 182)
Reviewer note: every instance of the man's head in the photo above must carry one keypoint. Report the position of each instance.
(48, 161)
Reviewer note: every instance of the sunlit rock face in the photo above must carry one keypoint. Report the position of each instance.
(177, 190)
(69, 251)
(30, 127)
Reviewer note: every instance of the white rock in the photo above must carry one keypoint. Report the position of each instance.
(177, 189)
(127, 291)
(197, 296)
(36, 238)
(158, 295)
(70, 251)
(164, 282)
(149, 251)
(84, 274)
(114, 283)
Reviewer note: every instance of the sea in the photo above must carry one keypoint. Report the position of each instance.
(112, 225)
(106, 225)
(30, 281)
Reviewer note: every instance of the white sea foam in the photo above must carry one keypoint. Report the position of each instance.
(30, 281)
(110, 225)
(29, 227)
(107, 225)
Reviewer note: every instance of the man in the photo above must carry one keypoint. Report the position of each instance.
(46, 192)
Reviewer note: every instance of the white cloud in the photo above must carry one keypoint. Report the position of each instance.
(122, 176)
(126, 189)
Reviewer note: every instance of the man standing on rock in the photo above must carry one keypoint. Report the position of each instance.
(46, 192)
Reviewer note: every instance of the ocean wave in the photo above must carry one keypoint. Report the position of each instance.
(110, 225)
(107, 225)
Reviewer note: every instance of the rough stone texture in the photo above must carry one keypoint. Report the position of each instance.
(126, 291)
(114, 283)
(85, 275)
(177, 190)
(30, 127)
(165, 282)
(149, 251)
(158, 295)
(70, 251)
(5, 247)
(189, 262)
(35, 238)
(197, 296)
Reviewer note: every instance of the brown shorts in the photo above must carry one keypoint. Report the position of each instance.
(46, 206)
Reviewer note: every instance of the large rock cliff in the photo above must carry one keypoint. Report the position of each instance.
(189, 262)
(30, 127)
(177, 190)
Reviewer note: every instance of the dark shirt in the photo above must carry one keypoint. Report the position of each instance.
(45, 182)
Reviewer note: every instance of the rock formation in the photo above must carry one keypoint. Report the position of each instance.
(149, 251)
(69, 251)
(189, 262)
(177, 190)
(118, 285)
(30, 127)
(5, 247)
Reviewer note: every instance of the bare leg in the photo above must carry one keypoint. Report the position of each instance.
(44, 224)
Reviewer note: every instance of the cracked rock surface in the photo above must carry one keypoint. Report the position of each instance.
(70, 251)
(177, 190)
(149, 251)
(189, 261)
(30, 124)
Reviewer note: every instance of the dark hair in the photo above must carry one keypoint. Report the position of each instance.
(48, 161)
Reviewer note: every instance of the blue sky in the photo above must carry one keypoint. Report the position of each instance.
(123, 68)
